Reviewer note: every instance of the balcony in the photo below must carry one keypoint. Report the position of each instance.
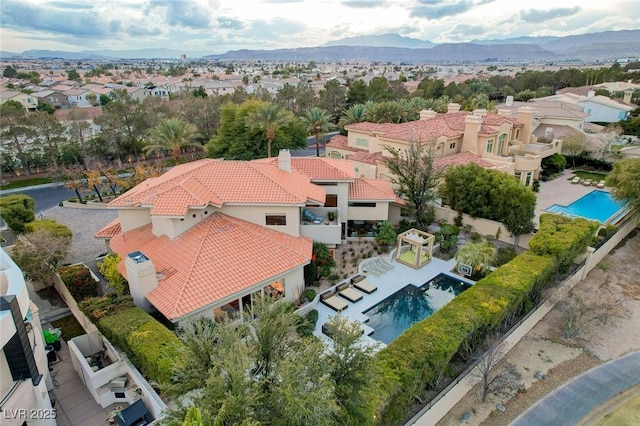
(538, 148)
(316, 223)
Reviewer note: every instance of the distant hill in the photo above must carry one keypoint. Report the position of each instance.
(382, 40)
(396, 48)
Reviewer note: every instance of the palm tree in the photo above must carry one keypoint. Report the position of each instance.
(172, 135)
(354, 114)
(477, 254)
(269, 117)
(317, 120)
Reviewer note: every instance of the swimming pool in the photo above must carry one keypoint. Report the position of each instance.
(596, 205)
(392, 316)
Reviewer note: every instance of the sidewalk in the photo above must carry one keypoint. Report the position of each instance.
(575, 400)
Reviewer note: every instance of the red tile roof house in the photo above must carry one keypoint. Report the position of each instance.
(206, 237)
(496, 141)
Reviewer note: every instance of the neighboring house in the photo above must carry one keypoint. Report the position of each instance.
(98, 90)
(551, 119)
(207, 237)
(496, 141)
(157, 91)
(600, 108)
(57, 100)
(137, 93)
(29, 102)
(78, 98)
(24, 373)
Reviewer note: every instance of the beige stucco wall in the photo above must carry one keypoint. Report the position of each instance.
(257, 215)
(379, 212)
(133, 218)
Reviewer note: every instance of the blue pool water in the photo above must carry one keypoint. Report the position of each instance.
(596, 205)
(391, 317)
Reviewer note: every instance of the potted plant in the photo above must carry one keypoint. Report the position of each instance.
(331, 216)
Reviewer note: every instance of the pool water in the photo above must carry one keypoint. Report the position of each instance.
(596, 205)
(392, 316)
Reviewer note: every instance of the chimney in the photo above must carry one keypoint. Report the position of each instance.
(504, 112)
(509, 101)
(284, 160)
(591, 94)
(426, 114)
(627, 96)
(472, 125)
(525, 116)
(141, 275)
(548, 133)
(480, 112)
(453, 107)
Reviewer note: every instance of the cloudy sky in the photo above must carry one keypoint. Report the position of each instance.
(215, 26)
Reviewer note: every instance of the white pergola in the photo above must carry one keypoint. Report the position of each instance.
(415, 248)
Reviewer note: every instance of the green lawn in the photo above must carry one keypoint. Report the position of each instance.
(595, 176)
(70, 327)
(26, 182)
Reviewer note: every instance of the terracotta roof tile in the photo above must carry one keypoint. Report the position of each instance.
(371, 190)
(109, 230)
(215, 259)
(220, 182)
(341, 142)
(318, 168)
(442, 163)
(367, 157)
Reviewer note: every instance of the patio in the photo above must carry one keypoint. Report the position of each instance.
(388, 283)
(559, 191)
(73, 403)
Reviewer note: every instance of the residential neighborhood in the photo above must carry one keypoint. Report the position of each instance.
(216, 240)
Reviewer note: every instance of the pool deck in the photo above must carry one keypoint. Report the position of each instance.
(560, 191)
(387, 283)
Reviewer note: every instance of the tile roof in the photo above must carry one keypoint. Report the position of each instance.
(219, 182)
(448, 125)
(214, 259)
(110, 230)
(461, 159)
(367, 157)
(371, 190)
(341, 142)
(318, 168)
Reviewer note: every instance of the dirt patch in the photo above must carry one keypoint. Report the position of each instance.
(546, 358)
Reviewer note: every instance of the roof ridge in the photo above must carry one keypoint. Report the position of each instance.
(278, 184)
(204, 187)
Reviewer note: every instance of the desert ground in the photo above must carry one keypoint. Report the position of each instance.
(546, 358)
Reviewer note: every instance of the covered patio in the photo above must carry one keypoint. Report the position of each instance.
(415, 248)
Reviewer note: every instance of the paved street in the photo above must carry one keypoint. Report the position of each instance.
(571, 403)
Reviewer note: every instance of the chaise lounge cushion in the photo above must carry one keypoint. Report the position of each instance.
(331, 299)
(365, 286)
(349, 293)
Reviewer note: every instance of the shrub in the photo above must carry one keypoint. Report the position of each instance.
(78, 280)
(504, 255)
(309, 294)
(109, 270)
(307, 323)
(149, 344)
(51, 226)
(17, 210)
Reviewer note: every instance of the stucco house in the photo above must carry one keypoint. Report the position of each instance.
(600, 108)
(207, 237)
(29, 102)
(498, 141)
(78, 98)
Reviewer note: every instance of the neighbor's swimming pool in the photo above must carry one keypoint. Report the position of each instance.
(392, 316)
(596, 205)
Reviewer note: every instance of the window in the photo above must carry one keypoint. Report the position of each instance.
(501, 139)
(517, 134)
(518, 176)
(527, 180)
(452, 145)
(335, 154)
(489, 145)
(362, 142)
(276, 219)
(331, 200)
(357, 204)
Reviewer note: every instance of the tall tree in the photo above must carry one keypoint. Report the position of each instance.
(269, 117)
(171, 135)
(332, 98)
(15, 133)
(317, 121)
(624, 179)
(357, 92)
(415, 178)
(354, 114)
(51, 133)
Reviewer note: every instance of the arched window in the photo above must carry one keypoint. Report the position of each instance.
(501, 140)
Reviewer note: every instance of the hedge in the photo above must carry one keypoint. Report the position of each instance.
(149, 344)
(79, 281)
(423, 353)
(50, 225)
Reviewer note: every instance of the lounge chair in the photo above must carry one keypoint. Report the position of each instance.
(600, 184)
(575, 180)
(360, 282)
(351, 294)
(331, 299)
(587, 182)
(310, 217)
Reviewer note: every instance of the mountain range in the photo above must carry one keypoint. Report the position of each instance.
(396, 48)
